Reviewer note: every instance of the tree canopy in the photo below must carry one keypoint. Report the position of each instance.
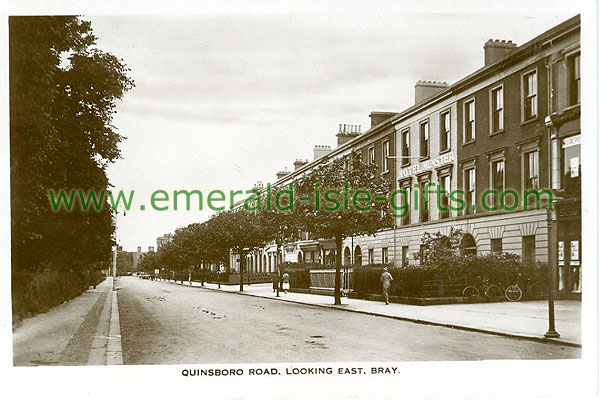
(63, 92)
(353, 199)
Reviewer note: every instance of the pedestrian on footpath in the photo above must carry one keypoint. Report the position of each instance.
(286, 282)
(386, 281)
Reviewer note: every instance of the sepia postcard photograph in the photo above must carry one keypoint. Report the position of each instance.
(291, 200)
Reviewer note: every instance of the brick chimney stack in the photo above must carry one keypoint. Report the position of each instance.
(321, 150)
(496, 49)
(378, 117)
(347, 132)
(281, 174)
(299, 164)
(426, 89)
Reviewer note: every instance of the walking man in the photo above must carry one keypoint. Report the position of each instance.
(386, 281)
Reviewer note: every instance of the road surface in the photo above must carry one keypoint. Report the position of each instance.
(164, 323)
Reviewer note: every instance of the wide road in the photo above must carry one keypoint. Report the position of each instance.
(163, 323)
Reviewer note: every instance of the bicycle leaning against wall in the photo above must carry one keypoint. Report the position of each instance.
(534, 290)
(482, 289)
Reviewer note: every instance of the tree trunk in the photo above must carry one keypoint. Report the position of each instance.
(277, 262)
(338, 266)
(242, 266)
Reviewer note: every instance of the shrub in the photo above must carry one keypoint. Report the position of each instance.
(37, 292)
(408, 280)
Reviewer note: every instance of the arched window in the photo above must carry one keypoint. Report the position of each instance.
(357, 256)
(347, 259)
(468, 245)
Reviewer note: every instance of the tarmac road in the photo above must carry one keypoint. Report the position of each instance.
(163, 323)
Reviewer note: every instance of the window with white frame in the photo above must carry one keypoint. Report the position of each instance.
(469, 182)
(424, 134)
(530, 99)
(469, 135)
(444, 195)
(497, 97)
(532, 170)
(445, 131)
(405, 147)
(423, 199)
(371, 156)
(497, 180)
(386, 153)
(406, 201)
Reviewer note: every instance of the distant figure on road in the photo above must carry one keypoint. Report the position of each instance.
(286, 282)
(386, 281)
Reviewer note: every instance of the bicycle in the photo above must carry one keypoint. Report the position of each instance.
(490, 292)
(514, 291)
(533, 289)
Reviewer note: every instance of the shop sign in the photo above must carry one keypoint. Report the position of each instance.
(427, 165)
(571, 141)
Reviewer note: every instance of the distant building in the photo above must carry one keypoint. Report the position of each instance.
(163, 240)
(128, 261)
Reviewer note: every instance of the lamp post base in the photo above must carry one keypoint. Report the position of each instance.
(552, 334)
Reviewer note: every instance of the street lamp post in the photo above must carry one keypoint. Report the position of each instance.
(115, 255)
(114, 266)
(553, 266)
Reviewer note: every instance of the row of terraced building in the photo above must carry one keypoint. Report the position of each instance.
(514, 124)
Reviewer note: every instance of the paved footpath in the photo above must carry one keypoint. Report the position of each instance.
(81, 331)
(523, 319)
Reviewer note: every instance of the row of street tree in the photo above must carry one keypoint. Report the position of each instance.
(281, 216)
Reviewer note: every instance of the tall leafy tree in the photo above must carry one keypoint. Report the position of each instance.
(241, 231)
(62, 100)
(278, 219)
(346, 198)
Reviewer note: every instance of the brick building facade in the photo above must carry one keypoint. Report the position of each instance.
(511, 126)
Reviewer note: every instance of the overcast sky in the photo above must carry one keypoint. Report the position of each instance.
(222, 101)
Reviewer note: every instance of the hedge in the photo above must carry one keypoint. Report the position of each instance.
(414, 280)
(37, 292)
